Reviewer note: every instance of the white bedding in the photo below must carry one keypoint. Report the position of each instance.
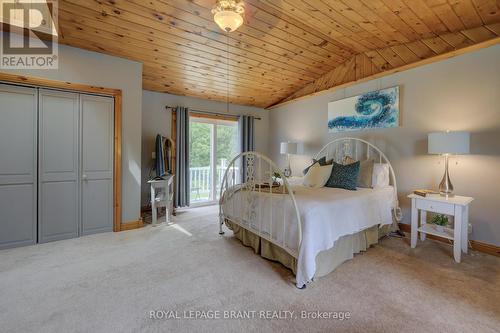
(327, 214)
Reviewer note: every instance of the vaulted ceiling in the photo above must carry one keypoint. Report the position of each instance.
(285, 49)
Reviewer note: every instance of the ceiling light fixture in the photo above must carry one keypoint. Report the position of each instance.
(228, 14)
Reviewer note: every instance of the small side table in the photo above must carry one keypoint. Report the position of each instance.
(162, 195)
(456, 206)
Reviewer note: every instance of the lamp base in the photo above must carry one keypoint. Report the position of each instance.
(287, 172)
(446, 187)
(447, 195)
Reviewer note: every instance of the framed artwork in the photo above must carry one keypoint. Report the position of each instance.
(376, 109)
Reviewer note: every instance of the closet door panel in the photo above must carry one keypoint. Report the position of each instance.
(58, 165)
(17, 215)
(97, 163)
(58, 211)
(18, 152)
(96, 206)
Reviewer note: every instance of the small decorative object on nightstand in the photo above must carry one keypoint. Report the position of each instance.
(456, 206)
(287, 148)
(440, 221)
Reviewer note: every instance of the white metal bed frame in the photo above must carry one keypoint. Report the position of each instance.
(258, 169)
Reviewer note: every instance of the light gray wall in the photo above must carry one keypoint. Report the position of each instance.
(80, 66)
(157, 120)
(460, 93)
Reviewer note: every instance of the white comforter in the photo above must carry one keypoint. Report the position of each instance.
(327, 214)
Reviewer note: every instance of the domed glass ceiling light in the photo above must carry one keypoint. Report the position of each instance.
(228, 14)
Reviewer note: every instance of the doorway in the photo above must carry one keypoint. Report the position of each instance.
(213, 143)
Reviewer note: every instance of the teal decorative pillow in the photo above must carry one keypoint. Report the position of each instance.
(344, 176)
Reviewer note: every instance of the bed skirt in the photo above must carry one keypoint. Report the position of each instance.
(326, 261)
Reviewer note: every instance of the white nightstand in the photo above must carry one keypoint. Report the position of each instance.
(162, 195)
(456, 206)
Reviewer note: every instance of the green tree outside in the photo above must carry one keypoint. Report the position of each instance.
(199, 143)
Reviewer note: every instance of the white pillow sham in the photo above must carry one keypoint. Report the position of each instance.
(380, 176)
(317, 175)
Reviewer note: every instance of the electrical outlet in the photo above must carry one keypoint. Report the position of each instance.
(153, 155)
(469, 229)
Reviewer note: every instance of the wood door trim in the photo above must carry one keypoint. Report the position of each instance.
(117, 172)
(173, 138)
(84, 88)
(132, 225)
(54, 84)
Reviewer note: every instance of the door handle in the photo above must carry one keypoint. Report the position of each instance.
(84, 177)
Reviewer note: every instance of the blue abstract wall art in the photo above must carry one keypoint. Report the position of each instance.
(376, 109)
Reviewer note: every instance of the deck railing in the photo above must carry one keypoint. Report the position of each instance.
(200, 177)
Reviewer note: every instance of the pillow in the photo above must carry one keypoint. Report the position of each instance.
(295, 180)
(348, 160)
(322, 161)
(365, 171)
(304, 172)
(365, 178)
(380, 176)
(317, 175)
(344, 176)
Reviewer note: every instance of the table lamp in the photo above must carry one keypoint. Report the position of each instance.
(446, 144)
(287, 148)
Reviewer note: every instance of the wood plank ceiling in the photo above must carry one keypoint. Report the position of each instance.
(284, 50)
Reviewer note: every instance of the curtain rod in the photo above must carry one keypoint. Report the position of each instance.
(210, 112)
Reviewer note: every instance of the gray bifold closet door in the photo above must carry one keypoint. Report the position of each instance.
(58, 166)
(75, 165)
(18, 151)
(97, 163)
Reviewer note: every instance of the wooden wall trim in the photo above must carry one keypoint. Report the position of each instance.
(327, 83)
(84, 88)
(117, 174)
(132, 225)
(42, 82)
(475, 245)
(173, 138)
(214, 116)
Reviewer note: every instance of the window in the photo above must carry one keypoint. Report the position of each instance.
(213, 143)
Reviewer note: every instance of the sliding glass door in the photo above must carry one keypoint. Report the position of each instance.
(226, 149)
(213, 144)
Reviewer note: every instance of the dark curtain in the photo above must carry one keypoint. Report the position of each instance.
(182, 158)
(247, 140)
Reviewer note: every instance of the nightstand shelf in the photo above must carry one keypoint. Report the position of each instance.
(430, 229)
(456, 206)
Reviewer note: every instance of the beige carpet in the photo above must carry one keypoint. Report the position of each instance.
(110, 282)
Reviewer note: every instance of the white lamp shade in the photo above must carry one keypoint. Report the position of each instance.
(449, 143)
(228, 20)
(288, 148)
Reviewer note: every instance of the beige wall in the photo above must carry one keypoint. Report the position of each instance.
(461, 93)
(80, 66)
(155, 119)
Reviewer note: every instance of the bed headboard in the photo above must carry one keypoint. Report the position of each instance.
(359, 149)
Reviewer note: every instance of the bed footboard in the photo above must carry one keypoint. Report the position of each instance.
(254, 190)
